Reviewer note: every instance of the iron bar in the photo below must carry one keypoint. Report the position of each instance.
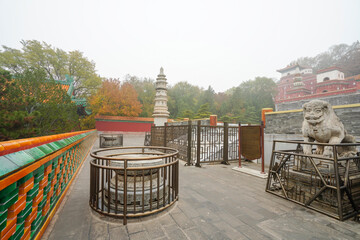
(116, 192)
(317, 170)
(151, 177)
(125, 192)
(315, 196)
(338, 191)
(226, 144)
(262, 147)
(198, 144)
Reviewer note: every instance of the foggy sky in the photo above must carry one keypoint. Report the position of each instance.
(217, 43)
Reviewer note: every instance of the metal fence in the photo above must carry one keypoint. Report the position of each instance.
(199, 143)
(330, 185)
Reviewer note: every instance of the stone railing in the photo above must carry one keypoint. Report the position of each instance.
(35, 174)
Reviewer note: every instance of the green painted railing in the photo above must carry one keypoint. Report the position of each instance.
(34, 176)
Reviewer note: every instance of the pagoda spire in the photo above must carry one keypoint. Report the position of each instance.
(161, 113)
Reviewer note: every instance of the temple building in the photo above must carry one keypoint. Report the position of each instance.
(299, 84)
(68, 86)
(161, 113)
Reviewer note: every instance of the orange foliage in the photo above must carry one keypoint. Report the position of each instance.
(114, 99)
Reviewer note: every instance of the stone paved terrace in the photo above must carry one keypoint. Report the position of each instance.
(215, 202)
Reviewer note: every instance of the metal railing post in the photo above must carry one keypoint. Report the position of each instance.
(226, 144)
(338, 190)
(125, 192)
(262, 148)
(239, 141)
(188, 162)
(198, 141)
(165, 126)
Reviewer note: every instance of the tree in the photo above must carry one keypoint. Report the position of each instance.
(114, 99)
(32, 105)
(220, 100)
(208, 96)
(203, 111)
(244, 103)
(55, 62)
(181, 97)
(187, 114)
(129, 104)
(145, 88)
(5, 83)
(341, 55)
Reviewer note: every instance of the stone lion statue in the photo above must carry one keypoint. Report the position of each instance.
(323, 126)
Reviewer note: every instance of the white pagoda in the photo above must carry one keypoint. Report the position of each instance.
(161, 113)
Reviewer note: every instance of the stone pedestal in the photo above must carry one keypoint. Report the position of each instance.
(142, 185)
(159, 121)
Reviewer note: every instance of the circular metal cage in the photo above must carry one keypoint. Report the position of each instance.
(133, 181)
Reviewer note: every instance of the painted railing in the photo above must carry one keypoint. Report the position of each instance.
(35, 174)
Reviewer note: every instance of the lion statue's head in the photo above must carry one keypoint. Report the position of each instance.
(323, 126)
(317, 111)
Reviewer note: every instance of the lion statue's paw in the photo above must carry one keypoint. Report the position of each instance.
(328, 153)
(348, 154)
(319, 150)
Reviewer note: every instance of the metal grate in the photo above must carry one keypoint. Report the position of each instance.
(327, 185)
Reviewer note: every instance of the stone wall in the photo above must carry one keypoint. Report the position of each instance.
(333, 100)
(290, 122)
(123, 124)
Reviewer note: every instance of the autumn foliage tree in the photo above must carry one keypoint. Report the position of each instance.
(129, 103)
(115, 99)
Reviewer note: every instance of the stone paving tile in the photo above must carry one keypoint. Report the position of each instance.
(135, 228)
(230, 219)
(162, 238)
(206, 227)
(266, 213)
(251, 233)
(118, 232)
(166, 220)
(195, 233)
(346, 230)
(139, 236)
(229, 231)
(64, 237)
(219, 235)
(187, 209)
(154, 229)
(99, 231)
(182, 220)
(214, 203)
(174, 232)
(207, 214)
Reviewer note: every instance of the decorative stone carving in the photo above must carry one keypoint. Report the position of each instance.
(322, 125)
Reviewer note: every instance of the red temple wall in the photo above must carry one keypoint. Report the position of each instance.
(123, 124)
